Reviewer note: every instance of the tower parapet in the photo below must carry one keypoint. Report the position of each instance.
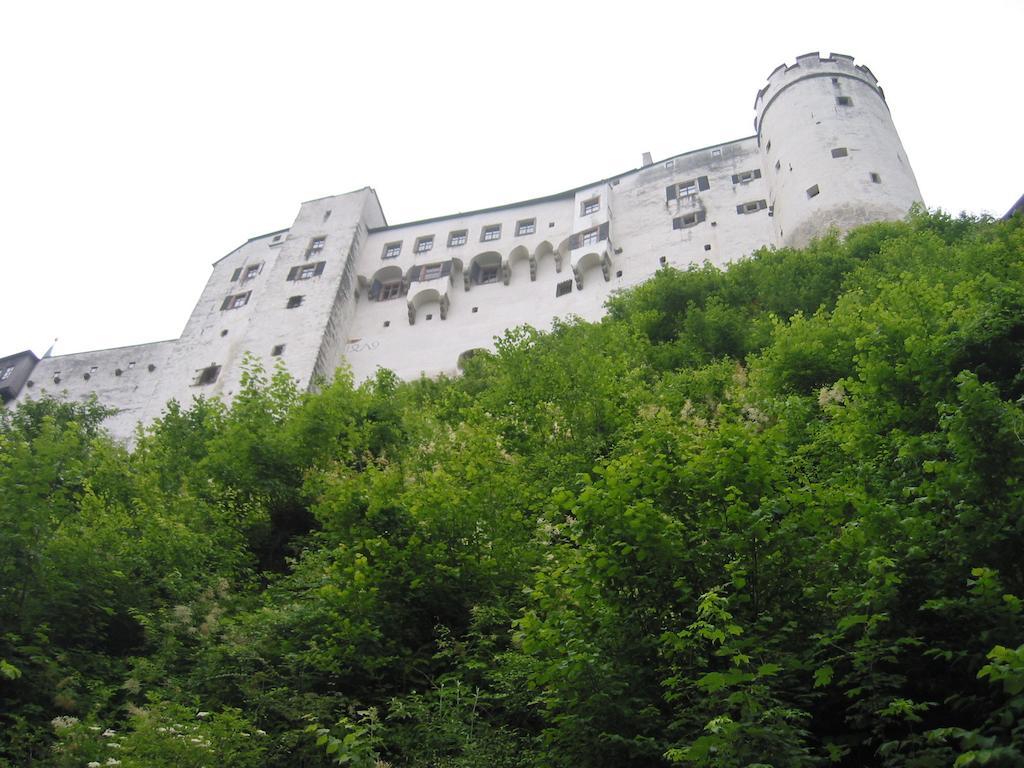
(830, 150)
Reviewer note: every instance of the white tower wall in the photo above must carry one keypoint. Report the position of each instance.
(830, 150)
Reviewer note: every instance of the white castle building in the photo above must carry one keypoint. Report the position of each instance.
(342, 286)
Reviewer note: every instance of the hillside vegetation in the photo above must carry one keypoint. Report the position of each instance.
(771, 515)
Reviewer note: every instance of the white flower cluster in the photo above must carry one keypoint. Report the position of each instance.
(63, 722)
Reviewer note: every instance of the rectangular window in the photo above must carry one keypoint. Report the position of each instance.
(293, 302)
(277, 351)
(457, 238)
(526, 227)
(316, 245)
(207, 376)
(589, 237)
(429, 271)
(392, 250)
(812, 191)
(687, 188)
(488, 275)
(235, 301)
(587, 207)
(752, 207)
(746, 177)
(689, 220)
(389, 291)
(251, 272)
(875, 178)
(716, 153)
(563, 288)
(424, 244)
(844, 101)
(306, 271)
(839, 152)
(491, 232)
(6, 372)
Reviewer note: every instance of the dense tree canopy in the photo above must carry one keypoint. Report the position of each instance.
(771, 515)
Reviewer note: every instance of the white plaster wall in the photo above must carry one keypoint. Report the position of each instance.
(800, 118)
(265, 321)
(126, 378)
(641, 233)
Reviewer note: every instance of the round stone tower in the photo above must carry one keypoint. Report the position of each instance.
(831, 153)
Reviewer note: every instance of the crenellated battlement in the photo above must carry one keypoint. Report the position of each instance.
(810, 65)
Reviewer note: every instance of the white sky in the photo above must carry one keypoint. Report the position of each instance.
(140, 143)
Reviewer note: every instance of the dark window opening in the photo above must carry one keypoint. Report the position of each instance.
(277, 351)
(293, 302)
(563, 288)
(526, 227)
(840, 152)
(207, 376)
(813, 191)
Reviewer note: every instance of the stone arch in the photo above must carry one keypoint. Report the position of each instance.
(423, 296)
(485, 267)
(562, 254)
(518, 254)
(386, 276)
(544, 252)
(464, 356)
(588, 261)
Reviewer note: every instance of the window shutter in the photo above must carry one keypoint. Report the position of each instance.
(474, 272)
(702, 184)
(757, 173)
(292, 273)
(700, 216)
(670, 192)
(226, 304)
(446, 269)
(602, 233)
(739, 209)
(735, 178)
(236, 274)
(575, 242)
(677, 222)
(375, 290)
(319, 268)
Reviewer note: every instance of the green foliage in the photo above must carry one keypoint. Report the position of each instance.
(766, 515)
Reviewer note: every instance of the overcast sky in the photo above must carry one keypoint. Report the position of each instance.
(140, 143)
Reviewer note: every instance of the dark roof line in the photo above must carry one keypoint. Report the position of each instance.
(251, 239)
(557, 195)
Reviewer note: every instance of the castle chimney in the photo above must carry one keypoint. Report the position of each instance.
(648, 160)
